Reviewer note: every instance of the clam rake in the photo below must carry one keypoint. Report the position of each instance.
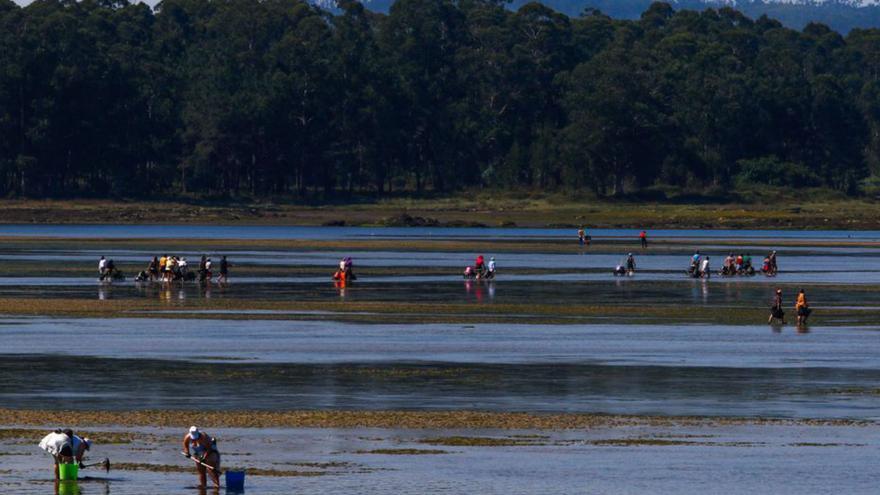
(105, 463)
(212, 468)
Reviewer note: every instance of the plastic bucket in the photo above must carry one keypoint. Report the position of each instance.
(235, 480)
(68, 472)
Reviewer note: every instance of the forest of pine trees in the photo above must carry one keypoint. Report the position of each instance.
(243, 98)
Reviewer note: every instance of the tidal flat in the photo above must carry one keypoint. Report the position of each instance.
(687, 456)
(555, 377)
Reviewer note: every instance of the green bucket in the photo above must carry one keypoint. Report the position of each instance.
(68, 472)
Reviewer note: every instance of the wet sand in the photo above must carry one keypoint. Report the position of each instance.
(681, 457)
(555, 378)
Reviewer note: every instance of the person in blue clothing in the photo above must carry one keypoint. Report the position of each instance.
(695, 264)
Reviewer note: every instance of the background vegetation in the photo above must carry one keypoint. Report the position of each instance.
(277, 97)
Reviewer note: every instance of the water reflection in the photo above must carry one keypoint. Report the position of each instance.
(480, 290)
(75, 488)
(104, 384)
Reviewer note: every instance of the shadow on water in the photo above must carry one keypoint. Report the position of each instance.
(120, 384)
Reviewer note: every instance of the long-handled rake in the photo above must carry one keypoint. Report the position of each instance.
(212, 468)
(105, 463)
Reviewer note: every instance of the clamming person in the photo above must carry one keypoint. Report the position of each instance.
(340, 276)
(348, 267)
(765, 266)
(491, 272)
(199, 446)
(776, 311)
(582, 236)
(643, 238)
(203, 269)
(694, 269)
(728, 266)
(153, 269)
(224, 270)
(773, 266)
(65, 447)
(170, 268)
(802, 308)
(102, 267)
(480, 266)
(630, 264)
(704, 268)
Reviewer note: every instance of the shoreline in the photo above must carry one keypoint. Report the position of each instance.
(463, 211)
(332, 419)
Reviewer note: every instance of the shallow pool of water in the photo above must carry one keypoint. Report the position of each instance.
(628, 369)
(744, 459)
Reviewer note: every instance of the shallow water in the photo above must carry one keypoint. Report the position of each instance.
(626, 369)
(312, 362)
(284, 232)
(738, 459)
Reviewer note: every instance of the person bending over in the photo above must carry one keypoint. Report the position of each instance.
(202, 447)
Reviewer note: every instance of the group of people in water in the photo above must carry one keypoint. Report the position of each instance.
(740, 264)
(107, 270)
(801, 308)
(65, 447)
(480, 269)
(174, 268)
(585, 239)
(733, 265)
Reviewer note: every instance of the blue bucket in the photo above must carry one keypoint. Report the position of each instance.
(235, 480)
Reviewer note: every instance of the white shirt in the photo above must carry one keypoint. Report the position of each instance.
(705, 265)
(54, 442)
(102, 264)
(491, 265)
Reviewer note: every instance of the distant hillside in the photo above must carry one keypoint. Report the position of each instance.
(840, 15)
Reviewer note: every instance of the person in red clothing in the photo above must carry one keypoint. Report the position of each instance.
(644, 238)
(480, 266)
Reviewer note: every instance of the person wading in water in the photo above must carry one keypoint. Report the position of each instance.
(199, 446)
(776, 312)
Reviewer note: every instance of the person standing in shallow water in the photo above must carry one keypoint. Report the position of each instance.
(203, 268)
(224, 270)
(643, 238)
(776, 312)
(802, 308)
(199, 446)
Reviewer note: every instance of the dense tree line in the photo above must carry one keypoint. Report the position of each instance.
(277, 97)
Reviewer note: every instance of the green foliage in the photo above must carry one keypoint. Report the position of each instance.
(277, 97)
(871, 186)
(770, 171)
